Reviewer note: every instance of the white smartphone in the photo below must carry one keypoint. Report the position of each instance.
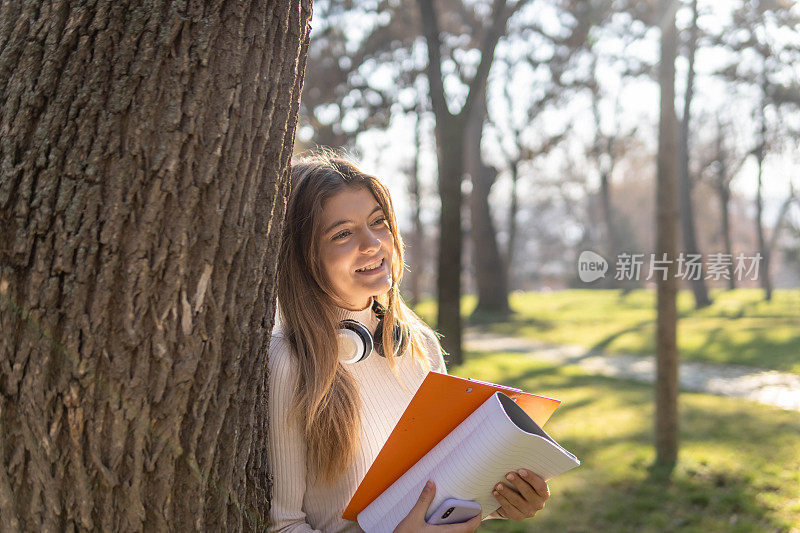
(455, 511)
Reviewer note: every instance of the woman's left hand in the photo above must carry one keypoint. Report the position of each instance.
(525, 499)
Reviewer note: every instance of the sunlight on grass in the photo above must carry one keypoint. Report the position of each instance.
(739, 467)
(738, 328)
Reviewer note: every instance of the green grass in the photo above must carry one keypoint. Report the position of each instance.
(738, 468)
(738, 328)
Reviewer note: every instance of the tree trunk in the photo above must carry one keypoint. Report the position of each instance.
(698, 284)
(417, 233)
(608, 218)
(449, 142)
(766, 282)
(144, 160)
(666, 426)
(513, 209)
(489, 269)
(724, 193)
(612, 247)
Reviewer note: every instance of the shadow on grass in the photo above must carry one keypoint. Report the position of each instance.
(512, 325)
(479, 317)
(712, 339)
(695, 499)
(635, 328)
(718, 484)
(761, 350)
(603, 344)
(655, 504)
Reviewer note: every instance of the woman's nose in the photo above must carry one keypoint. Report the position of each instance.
(370, 242)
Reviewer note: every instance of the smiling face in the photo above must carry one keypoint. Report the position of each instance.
(355, 247)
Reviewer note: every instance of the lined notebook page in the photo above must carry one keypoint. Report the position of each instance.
(496, 438)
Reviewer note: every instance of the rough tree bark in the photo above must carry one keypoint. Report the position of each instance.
(143, 167)
(698, 284)
(490, 271)
(666, 390)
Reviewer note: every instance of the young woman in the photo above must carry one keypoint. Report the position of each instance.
(333, 399)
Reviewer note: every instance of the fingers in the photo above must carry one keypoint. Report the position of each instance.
(464, 527)
(420, 508)
(527, 491)
(508, 509)
(538, 484)
(528, 498)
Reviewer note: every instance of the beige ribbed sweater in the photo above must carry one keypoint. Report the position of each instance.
(299, 503)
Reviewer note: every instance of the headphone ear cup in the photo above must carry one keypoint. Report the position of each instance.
(400, 340)
(355, 342)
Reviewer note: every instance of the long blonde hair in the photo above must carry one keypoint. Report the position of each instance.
(327, 398)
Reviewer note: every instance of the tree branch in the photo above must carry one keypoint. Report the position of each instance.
(500, 16)
(430, 28)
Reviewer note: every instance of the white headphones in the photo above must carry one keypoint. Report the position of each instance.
(356, 343)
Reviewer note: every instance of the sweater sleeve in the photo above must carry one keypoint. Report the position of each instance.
(287, 448)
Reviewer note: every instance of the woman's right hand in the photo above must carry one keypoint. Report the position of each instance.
(415, 520)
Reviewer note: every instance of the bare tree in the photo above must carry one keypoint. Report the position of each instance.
(757, 24)
(610, 143)
(783, 212)
(450, 128)
(666, 393)
(760, 152)
(339, 98)
(519, 151)
(603, 152)
(490, 272)
(492, 268)
(608, 148)
(417, 241)
(143, 170)
(723, 165)
(701, 298)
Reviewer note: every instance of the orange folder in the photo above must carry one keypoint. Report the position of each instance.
(441, 403)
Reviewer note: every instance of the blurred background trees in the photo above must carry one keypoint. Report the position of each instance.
(517, 134)
(555, 153)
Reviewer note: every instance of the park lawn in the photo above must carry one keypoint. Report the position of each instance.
(738, 469)
(738, 328)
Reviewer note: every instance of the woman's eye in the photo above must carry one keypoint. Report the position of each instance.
(379, 220)
(341, 234)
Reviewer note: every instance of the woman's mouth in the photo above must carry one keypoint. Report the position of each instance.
(370, 268)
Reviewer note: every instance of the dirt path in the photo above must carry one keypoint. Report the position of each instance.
(769, 387)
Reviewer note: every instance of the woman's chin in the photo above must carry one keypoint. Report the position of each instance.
(376, 288)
